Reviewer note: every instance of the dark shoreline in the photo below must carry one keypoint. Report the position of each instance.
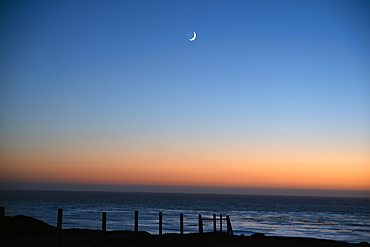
(27, 231)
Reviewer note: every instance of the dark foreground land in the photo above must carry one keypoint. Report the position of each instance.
(27, 231)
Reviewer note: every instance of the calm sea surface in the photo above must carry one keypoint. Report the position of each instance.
(343, 219)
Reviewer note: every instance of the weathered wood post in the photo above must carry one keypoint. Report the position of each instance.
(214, 223)
(59, 226)
(2, 221)
(104, 225)
(160, 223)
(136, 221)
(2, 216)
(200, 224)
(229, 227)
(220, 222)
(181, 223)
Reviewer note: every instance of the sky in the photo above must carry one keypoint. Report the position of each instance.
(271, 95)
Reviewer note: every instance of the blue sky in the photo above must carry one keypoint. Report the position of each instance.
(261, 75)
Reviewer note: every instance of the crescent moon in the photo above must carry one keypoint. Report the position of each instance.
(195, 35)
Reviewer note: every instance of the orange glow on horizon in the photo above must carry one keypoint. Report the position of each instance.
(273, 170)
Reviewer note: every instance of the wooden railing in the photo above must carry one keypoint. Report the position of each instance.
(215, 219)
(136, 223)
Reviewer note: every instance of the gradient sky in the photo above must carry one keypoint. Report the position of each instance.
(271, 94)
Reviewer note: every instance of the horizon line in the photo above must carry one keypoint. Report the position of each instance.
(183, 189)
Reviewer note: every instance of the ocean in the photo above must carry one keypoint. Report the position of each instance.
(341, 219)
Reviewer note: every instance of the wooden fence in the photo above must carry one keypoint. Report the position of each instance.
(220, 219)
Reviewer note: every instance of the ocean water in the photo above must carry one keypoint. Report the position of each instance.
(342, 219)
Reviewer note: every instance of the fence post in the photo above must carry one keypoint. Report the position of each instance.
(200, 224)
(104, 224)
(220, 222)
(160, 223)
(2, 221)
(229, 227)
(136, 221)
(59, 226)
(214, 223)
(181, 223)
